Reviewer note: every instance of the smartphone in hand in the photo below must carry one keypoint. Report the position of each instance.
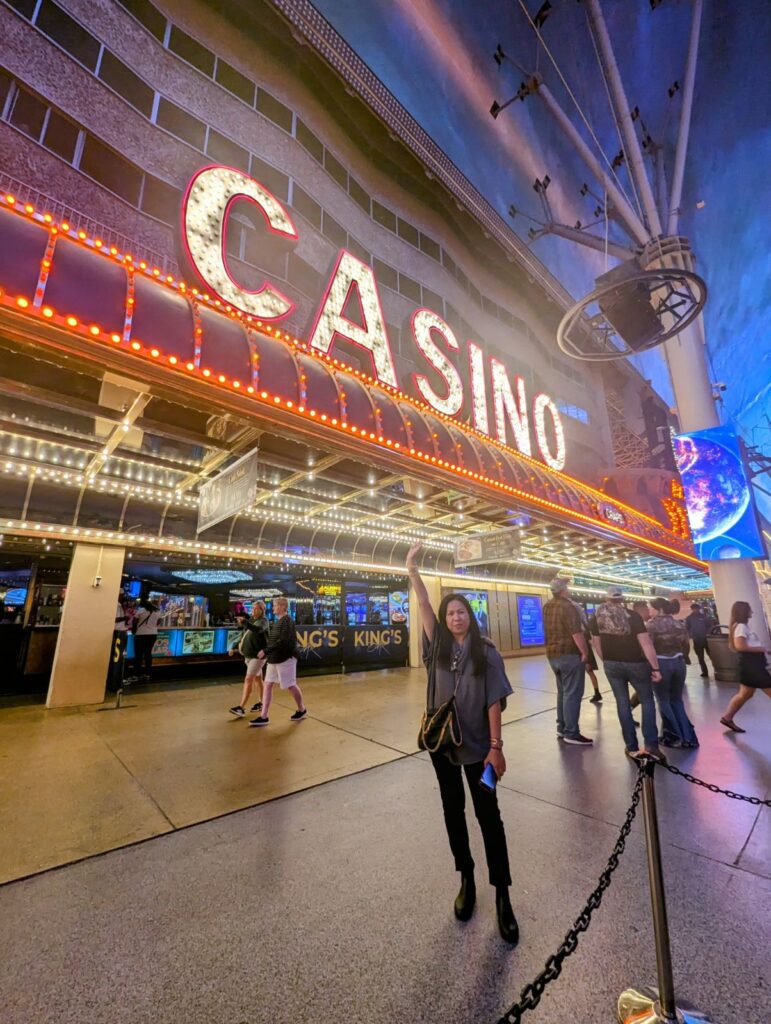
(489, 779)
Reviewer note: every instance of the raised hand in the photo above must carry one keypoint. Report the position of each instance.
(412, 556)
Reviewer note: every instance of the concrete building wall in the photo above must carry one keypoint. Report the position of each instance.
(425, 261)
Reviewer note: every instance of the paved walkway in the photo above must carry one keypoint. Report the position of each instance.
(334, 904)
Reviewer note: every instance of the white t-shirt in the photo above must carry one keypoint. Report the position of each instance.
(148, 622)
(743, 630)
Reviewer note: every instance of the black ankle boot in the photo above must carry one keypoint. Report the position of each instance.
(466, 898)
(507, 923)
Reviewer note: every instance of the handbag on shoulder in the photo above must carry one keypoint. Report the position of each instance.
(439, 727)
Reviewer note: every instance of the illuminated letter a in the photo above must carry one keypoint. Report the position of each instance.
(351, 274)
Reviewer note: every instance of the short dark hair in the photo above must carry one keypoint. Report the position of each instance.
(665, 607)
(642, 604)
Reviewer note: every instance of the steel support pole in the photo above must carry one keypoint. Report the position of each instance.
(623, 115)
(685, 120)
(630, 221)
(655, 1005)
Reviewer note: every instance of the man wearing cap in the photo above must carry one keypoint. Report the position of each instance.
(567, 653)
(620, 638)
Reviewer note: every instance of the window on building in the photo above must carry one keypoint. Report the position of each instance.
(335, 232)
(273, 179)
(111, 170)
(260, 253)
(308, 207)
(148, 15)
(409, 288)
(308, 140)
(61, 136)
(433, 300)
(71, 36)
(180, 123)
(408, 233)
(430, 247)
(303, 276)
(575, 412)
(358, 250)
(335, 169)
(5, 87)
(191, 50)
(274, 110)
(161, 200)
(386, 275)
(449, 263)
(235, 82)
(28, 113)
(382, 215)
(26, 8)
(358, 194)
(123, 80)
(224, 151)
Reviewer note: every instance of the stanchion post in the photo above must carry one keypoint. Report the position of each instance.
(655, 1006)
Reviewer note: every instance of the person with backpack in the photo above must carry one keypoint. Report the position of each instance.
(670, 641)
(281, 656)
(467, 687)
(251, 645)
(620, 638)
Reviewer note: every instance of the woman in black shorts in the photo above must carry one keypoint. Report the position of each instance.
(753, 668)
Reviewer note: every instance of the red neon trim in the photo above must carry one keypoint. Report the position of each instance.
(266, 287)
(469, 345)
(449, 336)
(551, 405)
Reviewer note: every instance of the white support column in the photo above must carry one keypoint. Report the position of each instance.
(79, 672)
(434, 589)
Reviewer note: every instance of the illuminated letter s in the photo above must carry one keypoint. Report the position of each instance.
(205, 211)
(424, 322)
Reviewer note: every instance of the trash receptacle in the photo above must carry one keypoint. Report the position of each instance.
(724, 661)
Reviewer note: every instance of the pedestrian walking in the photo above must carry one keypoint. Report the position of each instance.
(281, 656)
(670, 641)
(753, 663)
(251, 646)
(466, 669)
(568, 653)
(620, 638)
(145, 630)
(699, 626)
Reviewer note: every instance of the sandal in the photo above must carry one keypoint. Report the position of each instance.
(730, 724)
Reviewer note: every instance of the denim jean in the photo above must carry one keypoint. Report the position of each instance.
(675, 724)
(620, 674)
(570, 672)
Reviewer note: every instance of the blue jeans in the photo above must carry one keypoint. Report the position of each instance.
(620, 674)
(675, 724)
(570, 672)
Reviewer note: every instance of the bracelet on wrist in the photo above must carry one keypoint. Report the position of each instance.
(496, 744)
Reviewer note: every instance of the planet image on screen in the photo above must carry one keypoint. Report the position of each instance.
(716, 492)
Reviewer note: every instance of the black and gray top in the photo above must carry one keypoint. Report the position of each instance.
(474, 696)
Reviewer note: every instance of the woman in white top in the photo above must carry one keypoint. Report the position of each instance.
(753, 670)
(145, 634)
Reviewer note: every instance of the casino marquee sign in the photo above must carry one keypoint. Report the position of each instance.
(63, 288)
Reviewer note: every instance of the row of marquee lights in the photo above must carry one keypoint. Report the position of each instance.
(208, 201)
(35, 306)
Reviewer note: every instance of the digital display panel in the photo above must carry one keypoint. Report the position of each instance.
(16, 596)
(478, 601)
(198, 641)
(718, 495)
(530, 619)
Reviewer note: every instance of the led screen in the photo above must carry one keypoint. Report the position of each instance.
(530, 618)
(718, 495)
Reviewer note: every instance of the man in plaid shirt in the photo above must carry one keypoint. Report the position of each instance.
(568, 653)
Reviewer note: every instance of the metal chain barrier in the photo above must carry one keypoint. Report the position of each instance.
(530, 996)
(756, 800)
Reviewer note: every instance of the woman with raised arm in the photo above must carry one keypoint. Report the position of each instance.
(464, 665)
(753, 667)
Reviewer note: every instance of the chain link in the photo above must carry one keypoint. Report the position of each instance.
(530, 996)
(756, 800)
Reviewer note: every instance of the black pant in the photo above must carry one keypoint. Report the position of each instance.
(143, 654)
(485, 803)
(700, 646)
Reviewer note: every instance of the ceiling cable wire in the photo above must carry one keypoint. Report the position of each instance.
(615, 122)
(575, 102)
